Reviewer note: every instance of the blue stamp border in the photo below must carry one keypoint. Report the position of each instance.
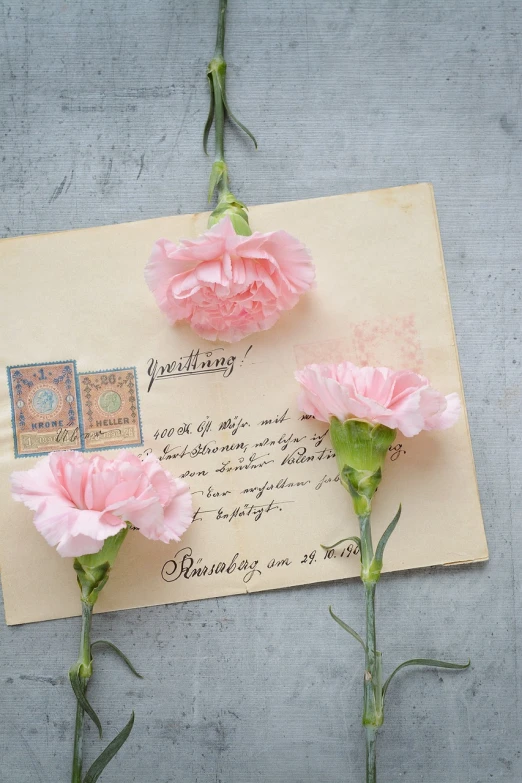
(138, 405)
(78, 405)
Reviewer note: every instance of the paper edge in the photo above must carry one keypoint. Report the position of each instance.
(246, 591)
(457, 360)
(204, 213)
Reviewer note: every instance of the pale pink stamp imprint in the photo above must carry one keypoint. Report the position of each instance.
(390, 341)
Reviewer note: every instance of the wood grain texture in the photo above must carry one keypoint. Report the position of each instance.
(102, 108)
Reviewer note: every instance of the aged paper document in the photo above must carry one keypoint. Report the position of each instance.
(90, 363)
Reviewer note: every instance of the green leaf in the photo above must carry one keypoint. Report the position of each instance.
(347, 628)
(78, 686)
(210, 118)
(424, 662)
(118, 652)
(108, 754)
(232, 116)
(385, 536)
(350, 538)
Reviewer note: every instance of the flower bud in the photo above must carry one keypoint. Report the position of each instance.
(360, 448)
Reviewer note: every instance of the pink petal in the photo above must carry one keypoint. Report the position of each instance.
(77, 546)
(229, 286)
(399, 400)
(33, 486)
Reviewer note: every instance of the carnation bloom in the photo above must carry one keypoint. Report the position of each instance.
(171, 514)
(227, 286)
(81, 501)
(400, 399)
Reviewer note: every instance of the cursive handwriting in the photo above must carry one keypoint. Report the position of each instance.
(187, 565)
(184, 564)
(195, 363)
(270, 486)
(251, 510)
(244, 465)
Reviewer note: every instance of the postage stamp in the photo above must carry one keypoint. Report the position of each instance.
(45, 408)
(110, 409)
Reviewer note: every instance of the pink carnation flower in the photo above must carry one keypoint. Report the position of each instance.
(171, 513)
(80, 501)
(400, 400)
(227, 286)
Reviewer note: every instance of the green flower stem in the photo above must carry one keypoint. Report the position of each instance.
(220, 37)
(227, 204)
(373, 687)
(361, 449)
(371, 758)
(366, 546)
(217, 72)
(219, 118)
(85, 672)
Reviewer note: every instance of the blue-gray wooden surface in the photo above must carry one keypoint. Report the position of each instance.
(102, 107)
